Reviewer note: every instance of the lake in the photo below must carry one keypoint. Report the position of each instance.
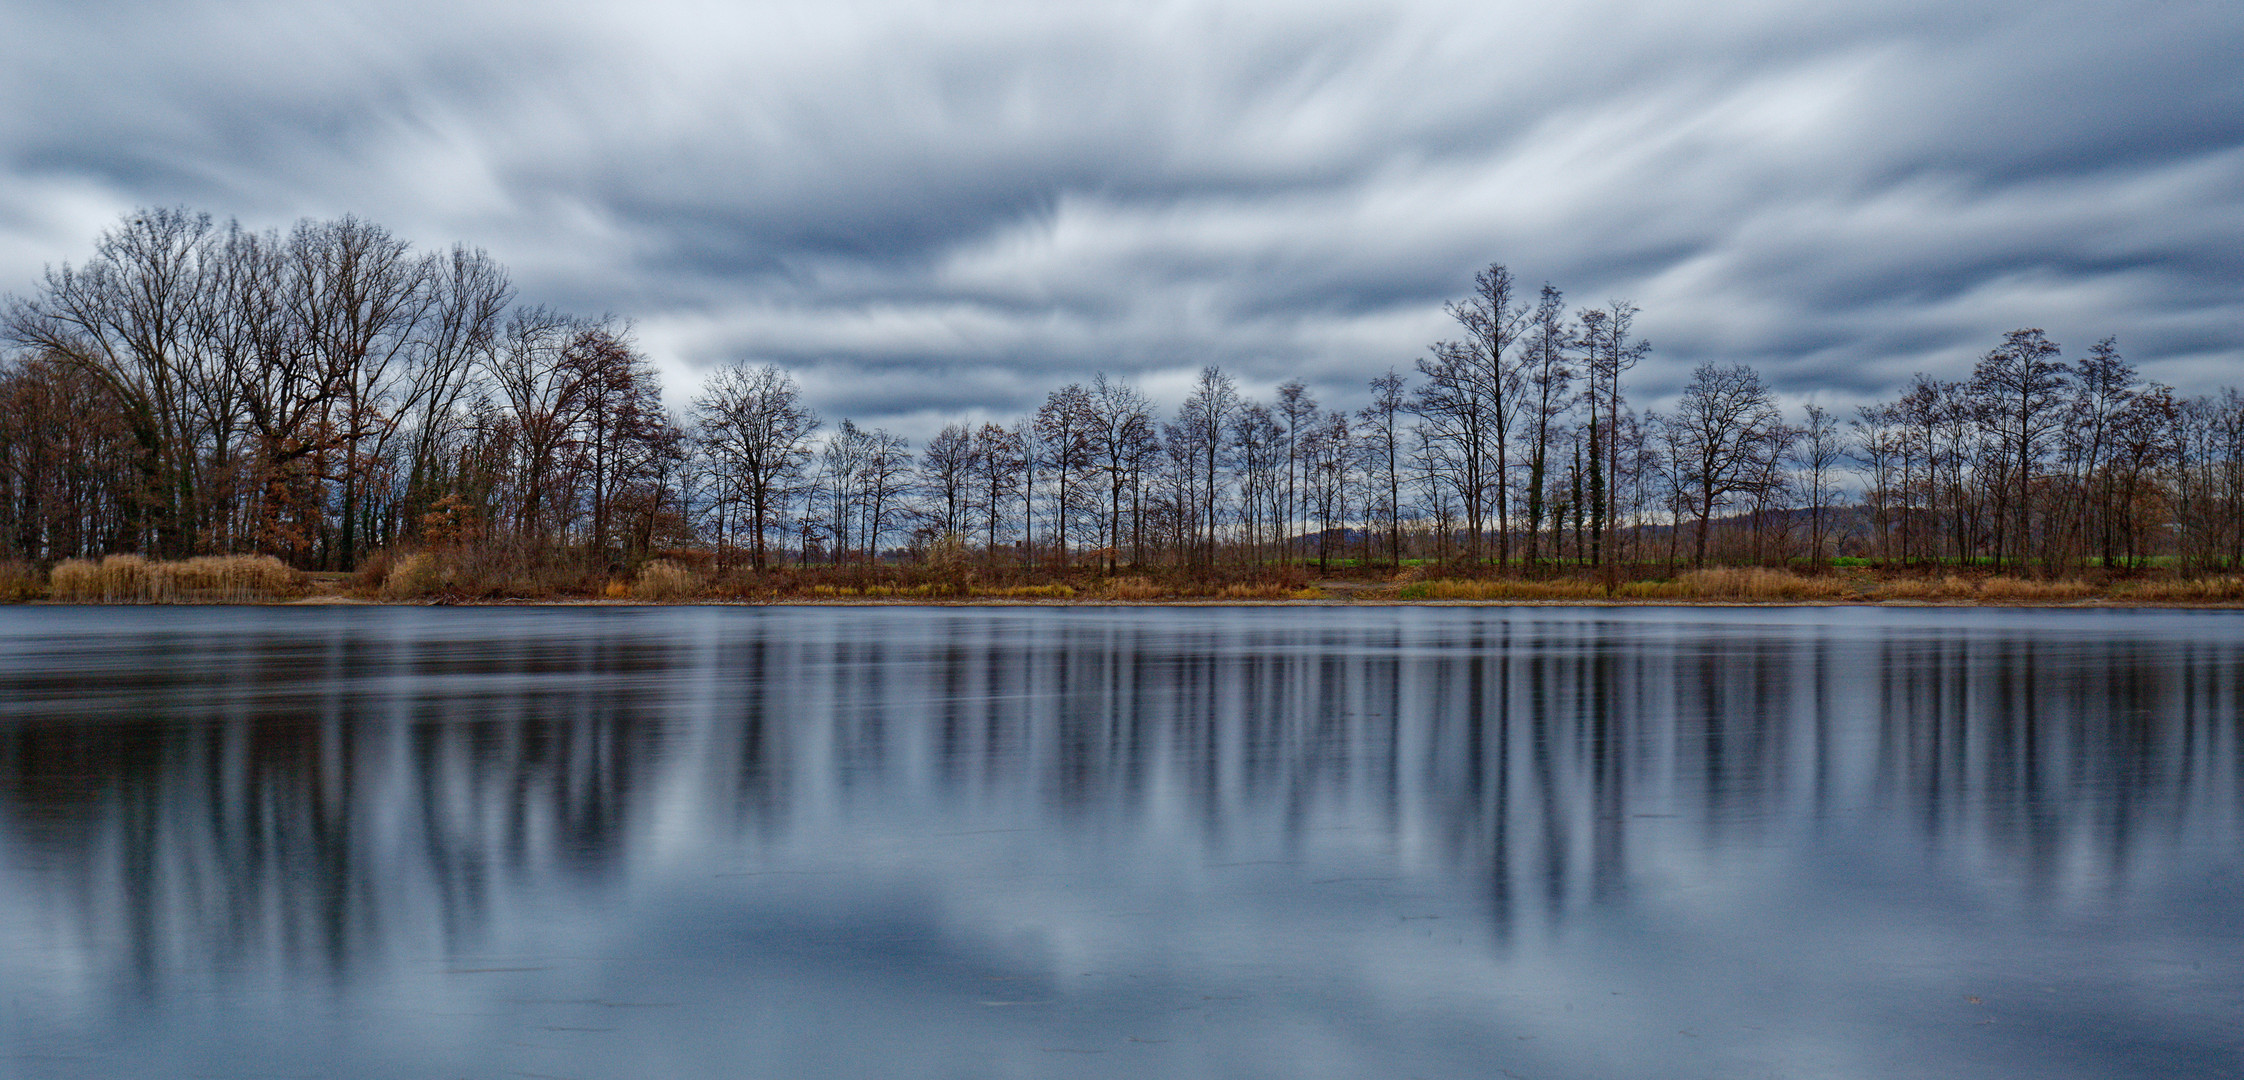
(1120, 842)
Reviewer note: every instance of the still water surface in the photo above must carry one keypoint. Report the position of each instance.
(622, 843)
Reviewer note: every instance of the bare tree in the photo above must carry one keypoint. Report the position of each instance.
(127, 318)
(1608, 353)
(1492, 320)
(1122, 444)
(2021, 384)
(1331, 454)
(1300, 412)
(946, 476)
(1819, 451)
(1202, 422)
(1549, 384)
(1383, 448)
(996, 469)
(1456, 421)
(2144, 445)
(2104, 390)
(1063, 429)
(1721, 419)
(357, 296)
(753, 426)
(1257, 446)
(470, 298)
(886, 482)
(841, 473)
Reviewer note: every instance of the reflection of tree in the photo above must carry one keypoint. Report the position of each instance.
(272, 819)
(2015, 754)
(307, 802)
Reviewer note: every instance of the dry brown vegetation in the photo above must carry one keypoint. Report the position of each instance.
(2204, 590)
(1718, 584)
(453, 575)
(1766, 585)
(663, 580)
(212, 579)
(20, 581)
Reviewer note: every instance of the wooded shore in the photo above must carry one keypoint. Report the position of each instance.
(469, 578)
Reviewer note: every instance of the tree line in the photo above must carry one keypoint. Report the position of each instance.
(325, 393)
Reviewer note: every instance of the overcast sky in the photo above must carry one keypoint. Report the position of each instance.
(931, 211)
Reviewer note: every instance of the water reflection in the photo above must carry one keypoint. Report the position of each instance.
(1399, 831)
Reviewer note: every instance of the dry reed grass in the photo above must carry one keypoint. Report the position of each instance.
(1501, 589)
(1954, 588)
(2016, 590)
(1036, 592)
(2203, 590)
(1760, 583)
(1950, 587)
(118, 579)
(1130, 588)
(1722, 583)
(209, 579)
(663, 580)
(1256, 590)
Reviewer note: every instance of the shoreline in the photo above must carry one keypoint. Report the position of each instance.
(2091, 603)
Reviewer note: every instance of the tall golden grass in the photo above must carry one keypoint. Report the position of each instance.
(2215, 589)
(469, 575)
(1763, 585)
(208, 579)
(2020, 590)
(1130, 588)
(1722, 583)
(663, 580)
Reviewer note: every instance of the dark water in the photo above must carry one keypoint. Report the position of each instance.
(688, 843)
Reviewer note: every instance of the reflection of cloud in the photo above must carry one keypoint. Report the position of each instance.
(956, 209)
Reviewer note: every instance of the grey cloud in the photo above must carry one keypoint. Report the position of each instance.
(950, 210)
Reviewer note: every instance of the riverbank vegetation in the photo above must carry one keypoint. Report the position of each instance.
(202, 411)
(464, 577)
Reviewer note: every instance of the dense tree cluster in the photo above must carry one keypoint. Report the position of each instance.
(198, 388)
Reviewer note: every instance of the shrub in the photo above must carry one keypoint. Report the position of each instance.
(19, 582)
(472, 574)
(417, 575)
